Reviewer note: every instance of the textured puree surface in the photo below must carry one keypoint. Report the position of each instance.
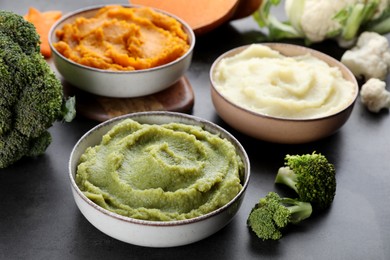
(160, 172)
(265, 81)
(123, 38)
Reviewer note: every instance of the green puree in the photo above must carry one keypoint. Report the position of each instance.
(160, 172)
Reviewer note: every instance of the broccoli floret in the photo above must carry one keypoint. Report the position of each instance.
(273, 213)
(311, 176)
(19, 31)
(31, 97)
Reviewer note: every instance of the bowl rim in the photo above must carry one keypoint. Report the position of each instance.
(310, 50)
(200, 122)
(79, 12)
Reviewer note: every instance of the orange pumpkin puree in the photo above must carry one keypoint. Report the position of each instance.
(123, 38)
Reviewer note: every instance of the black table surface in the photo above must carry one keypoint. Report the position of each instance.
(39, 218)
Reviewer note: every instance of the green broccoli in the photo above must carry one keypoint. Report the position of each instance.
(273, 213)
(19, 31)
(31, 97)
(311, 176)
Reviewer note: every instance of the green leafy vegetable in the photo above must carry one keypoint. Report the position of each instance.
(311, 176)
(31, 97)
(273, 213)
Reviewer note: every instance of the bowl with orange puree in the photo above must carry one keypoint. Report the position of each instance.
(121, 50)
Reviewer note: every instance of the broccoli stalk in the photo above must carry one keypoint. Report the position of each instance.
(31, 97)
(311, 176)
(273, 213)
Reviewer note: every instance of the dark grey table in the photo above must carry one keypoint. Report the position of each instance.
(39, 219)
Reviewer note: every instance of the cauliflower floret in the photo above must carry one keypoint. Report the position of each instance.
(382, 6)
(374, 95)
(315, 22)
(370, 57)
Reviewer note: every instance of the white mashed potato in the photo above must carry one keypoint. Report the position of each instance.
(264, 81)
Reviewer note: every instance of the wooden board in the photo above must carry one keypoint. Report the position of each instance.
(177, 98)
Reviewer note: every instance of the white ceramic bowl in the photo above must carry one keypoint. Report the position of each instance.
(276, 129)
(155, 233)
(119, 84)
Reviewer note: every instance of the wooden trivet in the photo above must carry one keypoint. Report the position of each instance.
(177, 98)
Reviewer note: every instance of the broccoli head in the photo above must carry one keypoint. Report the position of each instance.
(311, 176)
(273, 213)
(31, 97)
(19, 31)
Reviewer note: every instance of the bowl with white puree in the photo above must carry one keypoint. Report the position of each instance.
(282, 93)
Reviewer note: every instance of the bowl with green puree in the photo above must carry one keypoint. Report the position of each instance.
(158, 179)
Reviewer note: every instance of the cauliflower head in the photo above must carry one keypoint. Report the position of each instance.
(370, 58)
(315, 21)
(382, 6)
(374, 95)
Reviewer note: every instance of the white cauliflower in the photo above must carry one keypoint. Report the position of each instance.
(374, 95)
(370, 57)
(383, 5)
(317, 20)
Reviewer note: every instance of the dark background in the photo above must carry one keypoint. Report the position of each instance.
(39, 219)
